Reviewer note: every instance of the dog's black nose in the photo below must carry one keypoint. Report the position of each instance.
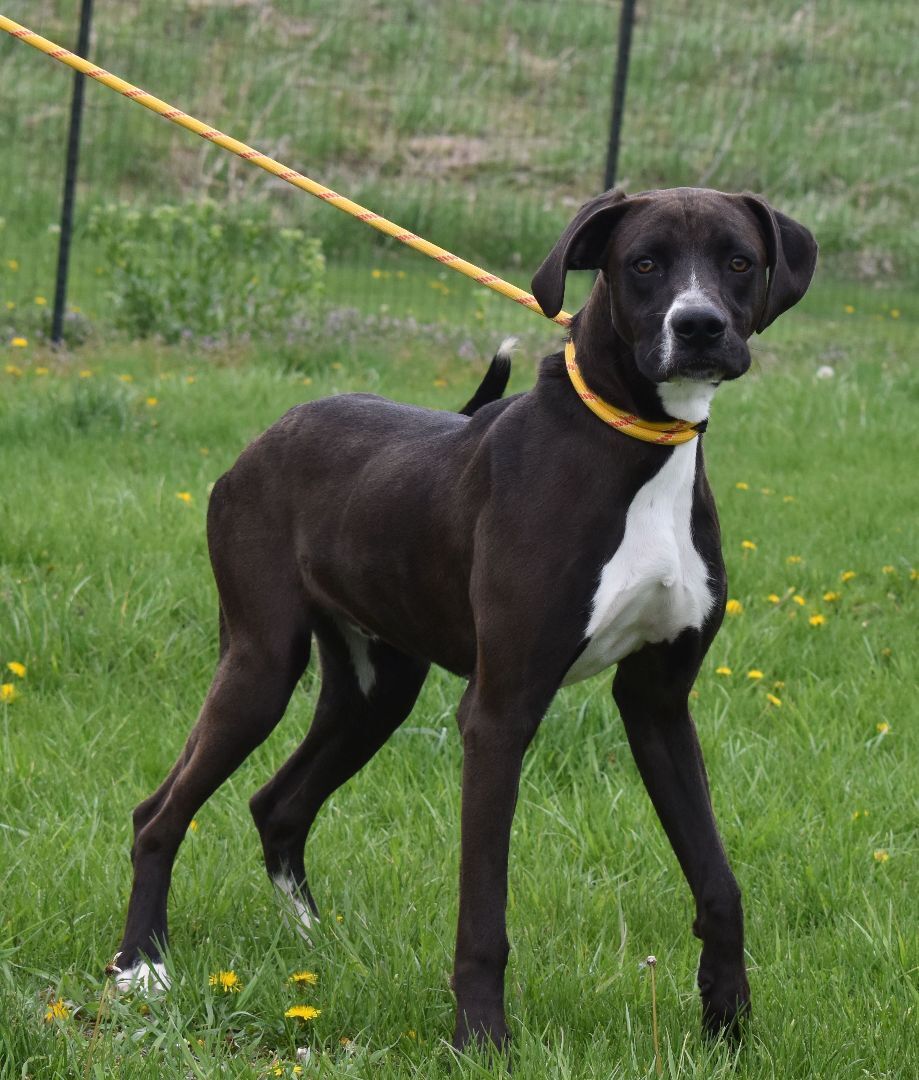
(701, 325)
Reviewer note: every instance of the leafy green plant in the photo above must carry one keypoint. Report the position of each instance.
(199, 270)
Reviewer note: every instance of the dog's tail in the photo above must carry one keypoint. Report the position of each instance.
(494, 384)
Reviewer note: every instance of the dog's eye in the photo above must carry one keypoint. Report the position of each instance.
(740, 265)
(643, 266)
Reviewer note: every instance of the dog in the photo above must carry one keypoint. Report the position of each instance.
(531, 544)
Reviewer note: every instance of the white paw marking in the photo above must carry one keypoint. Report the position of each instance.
(359, 647)
(293, 901)
(143, 977)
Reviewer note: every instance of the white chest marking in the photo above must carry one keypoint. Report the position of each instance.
(656, 584)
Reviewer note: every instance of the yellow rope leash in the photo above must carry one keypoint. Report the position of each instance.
(664, 434)
(168, 112)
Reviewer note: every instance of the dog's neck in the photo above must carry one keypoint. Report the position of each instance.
(607, 362)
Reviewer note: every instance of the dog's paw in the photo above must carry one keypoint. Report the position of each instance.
(142, 976)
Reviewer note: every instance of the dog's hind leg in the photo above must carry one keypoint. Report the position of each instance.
(265, 648)
(368, 689)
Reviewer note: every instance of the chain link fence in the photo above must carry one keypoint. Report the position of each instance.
(479, 125)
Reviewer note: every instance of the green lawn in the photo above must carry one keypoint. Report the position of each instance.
(106, 598)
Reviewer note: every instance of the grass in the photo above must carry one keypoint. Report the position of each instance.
(480, 125)
(108, 602)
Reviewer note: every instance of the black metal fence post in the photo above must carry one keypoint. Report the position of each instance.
(70, 179)
(620, 79)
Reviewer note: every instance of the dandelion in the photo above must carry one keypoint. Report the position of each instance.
(847, 575)
(339, 918)
(793, 560)
(799, 600)
(723, 670)
(859, 814)
(153, 402)
(774, 598)
(41, 371)
(8, 692)
(440, 383)
(883, 728)
(191, 379)
(748, 545)
(337, 366)
(817, 620)
(86, 374)
(881, 856)
(13, 264)
(307, 381)
(185, 496)
(56, 1010)
(849, 309)
(755, 674)
(126, 378)
(766, 491)
(303, 1012)
(914, 575)
(888, 569)
(733, 607)
(830, 596)
(778, 685)
(19, 342)
(773, 700)
(788, 498)
(19, 670)
(742, 485)
(193, 825)
(228, 981)
(11, 369)
(10, 305)
(895, 313)
(41, 301)
(304, 978)
(377, 274)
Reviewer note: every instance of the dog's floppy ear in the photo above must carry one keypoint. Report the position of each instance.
(792, 252)
(581, 246)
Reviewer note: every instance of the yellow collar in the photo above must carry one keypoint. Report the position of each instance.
(666, 434)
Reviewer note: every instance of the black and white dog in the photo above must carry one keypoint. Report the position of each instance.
(525, 547)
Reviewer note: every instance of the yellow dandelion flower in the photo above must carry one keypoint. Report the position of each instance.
(153, 402)
(799, 600)
(733, 607)
(817, 620)
(859, 814)
(883, 727)
(56, 1010)
(13, 264)
(303, 1012)
(41, 301)
(228, 981)
(773, 700)
(339, 918)
(830, 596)
(19, 342)
(847, 575)
(337, 366)
(11, 369)
(849, 309)
(778, 685)
(742, 485)
(881, 855)
(440, 383)
(793, 560)
(754, 673)
(86, 374)
(895, 313)
(8, 692)
(788, 498)
(400, 274)
(886, 652)
(126, 378)
(767, 491)
(19, 670)
(914, 575)
(10, 305)
(748, 545)
(411, 1033)
(376, 274)
(193, 825)
(723, 670)
(185, 496)
(888, 569)
(774, 598)
(304, 978)
(191, 379)
(41, 371)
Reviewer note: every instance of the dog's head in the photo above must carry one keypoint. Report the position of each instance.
(690, 273)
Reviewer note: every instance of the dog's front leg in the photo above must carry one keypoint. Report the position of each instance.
(496, 730)
(651, 689)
